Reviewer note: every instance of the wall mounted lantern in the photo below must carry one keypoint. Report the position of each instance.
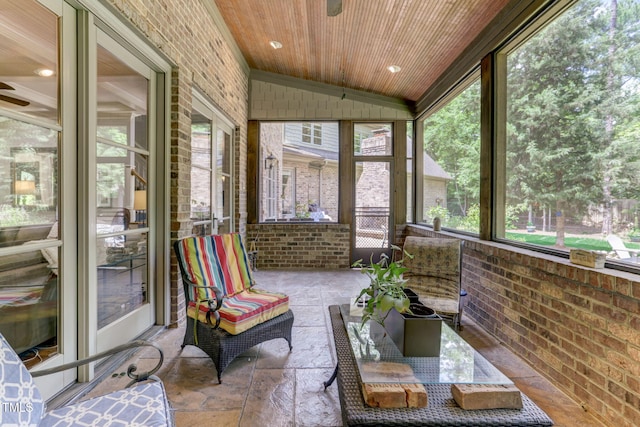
(269, 161)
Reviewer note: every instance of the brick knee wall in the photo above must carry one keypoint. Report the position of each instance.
(301, 246)
(575, 325)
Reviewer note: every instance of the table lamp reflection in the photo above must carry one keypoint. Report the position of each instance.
(23, 189)
(140, 205)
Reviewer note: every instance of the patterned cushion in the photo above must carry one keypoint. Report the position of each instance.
(217, 260)
(434, 271)
(21, 401)
(234, 263)
(141, 405)
(245, 309)
(197, 260)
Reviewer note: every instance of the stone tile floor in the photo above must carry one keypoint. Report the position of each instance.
(270, 386)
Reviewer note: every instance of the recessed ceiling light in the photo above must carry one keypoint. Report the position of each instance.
(44, 72)
(275, 44)
(393, 68)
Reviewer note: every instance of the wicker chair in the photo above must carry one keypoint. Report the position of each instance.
(434, 273)
(226, 314)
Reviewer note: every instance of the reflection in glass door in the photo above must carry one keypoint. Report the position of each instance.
(211, 163)
(37, 236)
(201, 172)
(122, 183)
(223, 179)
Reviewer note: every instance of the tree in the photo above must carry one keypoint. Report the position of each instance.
(452, 139)
(554, 137)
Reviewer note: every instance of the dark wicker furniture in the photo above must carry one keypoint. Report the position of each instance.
(441, 411)
(221, 346)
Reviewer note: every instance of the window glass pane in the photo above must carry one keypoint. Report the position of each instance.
(451, 162)
(288, 192)
(29, 181)
(224, 199)
(122, 275)
(122, 102)
(201, 173)
(299, 171)
(202, 229)
(223, 189)
(224, 152)
(372, 139)
(122, 166)
(200, 141)
(573, 114)
(28, 177)
(110, 186)
(29, 65)
(29, 303)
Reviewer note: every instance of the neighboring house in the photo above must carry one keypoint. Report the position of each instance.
(300, 165)
(435, 183)
(301, 170)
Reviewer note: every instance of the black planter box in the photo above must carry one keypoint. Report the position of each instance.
(415, 336)
(413, 297)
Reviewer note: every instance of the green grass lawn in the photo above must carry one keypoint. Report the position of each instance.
(586, 243)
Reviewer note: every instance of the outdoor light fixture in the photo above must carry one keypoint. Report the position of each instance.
(275, 44)
(268, 162)
(393, 68)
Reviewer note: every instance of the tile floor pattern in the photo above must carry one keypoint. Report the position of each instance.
(270, 386)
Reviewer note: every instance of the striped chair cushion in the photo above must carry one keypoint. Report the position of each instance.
(234, 263)
(245, 309)
(217, 260)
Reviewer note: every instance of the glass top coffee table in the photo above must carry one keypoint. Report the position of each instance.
(441, 410)
(379, 360)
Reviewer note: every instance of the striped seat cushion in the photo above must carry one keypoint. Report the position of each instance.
(216, 260)
(245, 309)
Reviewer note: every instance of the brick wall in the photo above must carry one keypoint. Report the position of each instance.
(186, 33)
(301, 246)
(575, 325)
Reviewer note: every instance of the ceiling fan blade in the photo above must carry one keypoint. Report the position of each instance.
(13, 100)
(334, 7)
(3, 85)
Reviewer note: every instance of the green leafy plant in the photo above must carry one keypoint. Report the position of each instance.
(386, 287)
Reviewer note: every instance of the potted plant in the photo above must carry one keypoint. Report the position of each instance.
(386, 288)
(530, 227)
(414, 328)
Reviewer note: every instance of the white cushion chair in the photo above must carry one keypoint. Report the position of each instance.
(145, 404)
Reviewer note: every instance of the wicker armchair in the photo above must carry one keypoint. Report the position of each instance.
(434, 273)
(226, 314)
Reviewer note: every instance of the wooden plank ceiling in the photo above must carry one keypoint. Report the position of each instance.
(354, 48)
